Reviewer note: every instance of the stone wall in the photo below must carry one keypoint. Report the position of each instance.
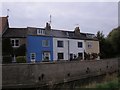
(38, 74)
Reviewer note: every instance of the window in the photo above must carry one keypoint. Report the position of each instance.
(80, 45)
(15, 42)
(80, 55)
(33, 56)
(45, 43)
(89, 44)
(59, 43)
(40, 32)
(46, 56)
(60, 56)
(67, 33)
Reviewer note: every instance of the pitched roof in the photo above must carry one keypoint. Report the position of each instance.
(16, 32)
(62, 34)
(23, 32)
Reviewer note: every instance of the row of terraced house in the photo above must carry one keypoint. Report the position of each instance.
(47, 44)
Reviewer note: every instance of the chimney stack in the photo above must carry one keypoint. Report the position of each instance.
(77, 31)
(48, 27)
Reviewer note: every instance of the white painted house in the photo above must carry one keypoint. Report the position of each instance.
(66, 49)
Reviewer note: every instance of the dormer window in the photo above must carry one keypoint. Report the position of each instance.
(90, 35)
(67, 33)
(40, 32)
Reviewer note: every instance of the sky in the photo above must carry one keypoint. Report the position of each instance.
(89, 16)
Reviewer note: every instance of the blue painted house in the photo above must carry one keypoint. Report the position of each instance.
(39, 48)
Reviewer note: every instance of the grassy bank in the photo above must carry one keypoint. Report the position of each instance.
(110, 81)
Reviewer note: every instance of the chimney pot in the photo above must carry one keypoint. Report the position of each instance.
(77, 31)
(48, 27)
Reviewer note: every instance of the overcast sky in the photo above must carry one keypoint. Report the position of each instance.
(89, 16)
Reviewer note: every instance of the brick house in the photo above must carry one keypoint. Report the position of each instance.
(17, 36)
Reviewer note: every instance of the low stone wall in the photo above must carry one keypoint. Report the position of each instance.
(38, 74)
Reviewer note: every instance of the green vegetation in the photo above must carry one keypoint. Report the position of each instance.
(109, 82)
(109, 46)
(6, 47)
(7, 59)
(21, 59)
(8, 51)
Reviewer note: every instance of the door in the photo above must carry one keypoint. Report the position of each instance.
(33, 57)
(71, 56)
(46, 56)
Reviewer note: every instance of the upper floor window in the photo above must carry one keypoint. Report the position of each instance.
(59, 43)
(45, 43)
(80, 45)
(89, 44)
(40, 32)
(15, 42)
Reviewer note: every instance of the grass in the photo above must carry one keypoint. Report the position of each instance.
(110, 81)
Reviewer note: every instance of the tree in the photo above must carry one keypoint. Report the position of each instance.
(7, 50)
(6, 47)
(106, 50)
(114, 39)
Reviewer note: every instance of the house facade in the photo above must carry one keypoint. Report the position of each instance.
(16, 36)
(39, 48)
(67, 49)
(62, 45)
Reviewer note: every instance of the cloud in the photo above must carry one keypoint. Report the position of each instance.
(91, 16)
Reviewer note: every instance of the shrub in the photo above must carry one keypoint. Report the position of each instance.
(7, 59)
(21, 59)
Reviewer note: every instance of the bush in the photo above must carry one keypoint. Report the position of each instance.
(21, 59)
(7, 59)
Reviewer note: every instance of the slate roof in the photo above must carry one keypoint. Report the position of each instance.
(62, 34)
(15, 33)
(23, 32)
(72, 35)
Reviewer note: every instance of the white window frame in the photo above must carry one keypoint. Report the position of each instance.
(14, 44)
(33, 60)
(43, 41)
(89, 44)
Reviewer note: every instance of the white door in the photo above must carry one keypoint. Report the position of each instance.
(33, 57)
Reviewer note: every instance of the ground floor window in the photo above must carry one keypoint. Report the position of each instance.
(46, 56)
(60, 56)
(32, 56)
